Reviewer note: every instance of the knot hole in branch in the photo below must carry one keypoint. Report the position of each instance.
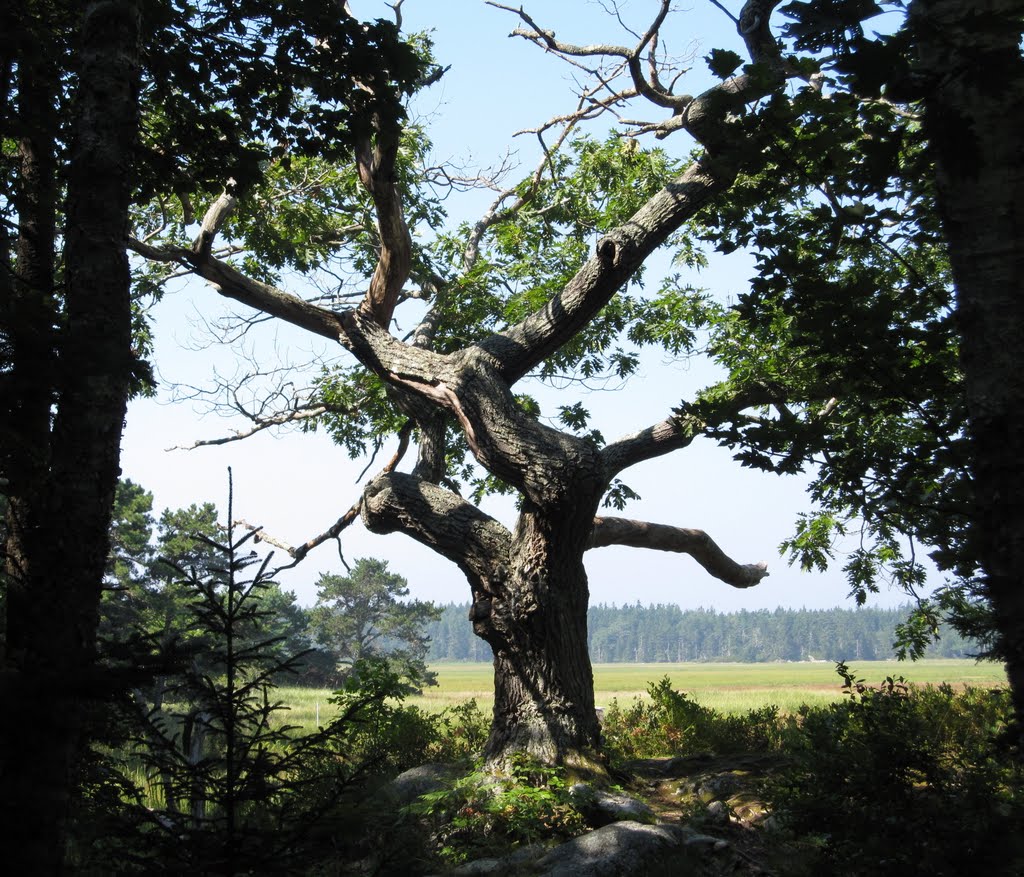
(608, 251)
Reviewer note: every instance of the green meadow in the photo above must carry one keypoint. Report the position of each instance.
(728, 688)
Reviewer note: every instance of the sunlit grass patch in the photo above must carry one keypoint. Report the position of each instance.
(732, 689)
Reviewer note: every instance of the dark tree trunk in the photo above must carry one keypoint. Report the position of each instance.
(58, 543)
(29, 722)
(537, 630)
(971, 63)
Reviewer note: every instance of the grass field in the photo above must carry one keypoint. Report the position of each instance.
(729, 688)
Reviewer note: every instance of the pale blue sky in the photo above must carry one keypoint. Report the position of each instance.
(297, 485)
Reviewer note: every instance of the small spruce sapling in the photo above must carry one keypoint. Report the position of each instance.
(243, 789)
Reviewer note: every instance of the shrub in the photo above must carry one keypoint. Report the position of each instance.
(484, 814)
(236, 789)
(672, 724)
(901, 780)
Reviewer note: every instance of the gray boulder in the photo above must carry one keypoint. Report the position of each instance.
(622, 849)
(408, 786)
(601, 808)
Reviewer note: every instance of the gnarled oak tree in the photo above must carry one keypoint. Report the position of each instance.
(843, 354)
(528, 582)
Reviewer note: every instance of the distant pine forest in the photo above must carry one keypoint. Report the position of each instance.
(666, 633)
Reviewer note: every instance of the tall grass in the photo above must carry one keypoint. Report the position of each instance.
(732, 689)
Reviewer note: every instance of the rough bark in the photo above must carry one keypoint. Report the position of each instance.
(973, 75)
(530, 600)
(58, 550)
(537, 629)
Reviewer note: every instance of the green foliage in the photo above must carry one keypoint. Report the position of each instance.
(231, 85)
(848, 323)
(483, 814)
(232, 787)
(362, 615)
(723, 63)
(670, 724)
(462, 733)
(146, 616)
(824, 24)
(900, 780)
(131, 529)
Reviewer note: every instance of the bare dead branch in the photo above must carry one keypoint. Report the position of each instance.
(547, 39)
(732, 17)
(213, 221)
(457, 178)
(396, 8)
(298, 553)
(283, 419)
(632, 56)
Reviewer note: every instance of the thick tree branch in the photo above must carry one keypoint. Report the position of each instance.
(619, 254)
(231, 283)
(679, 430)
(439, 519)
(696, 543)
(669, 435)
(506, 441)
(376, 164)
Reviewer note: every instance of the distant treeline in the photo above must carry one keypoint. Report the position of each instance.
(666, 633)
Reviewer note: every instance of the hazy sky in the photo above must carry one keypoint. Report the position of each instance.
(297, 485)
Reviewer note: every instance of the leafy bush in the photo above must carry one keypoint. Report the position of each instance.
(483, 814)
(901, 780)
(384, 733)
(462, 731)
(672, 724)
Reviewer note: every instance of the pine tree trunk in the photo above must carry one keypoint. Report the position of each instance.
(58, 543)
(970, 56)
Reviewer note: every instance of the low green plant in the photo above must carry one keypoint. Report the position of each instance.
(394, 737)
(461, 733)
(903, 780)
(484, 814)
(669, 722)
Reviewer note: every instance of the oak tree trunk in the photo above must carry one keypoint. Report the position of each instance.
(537, 629)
